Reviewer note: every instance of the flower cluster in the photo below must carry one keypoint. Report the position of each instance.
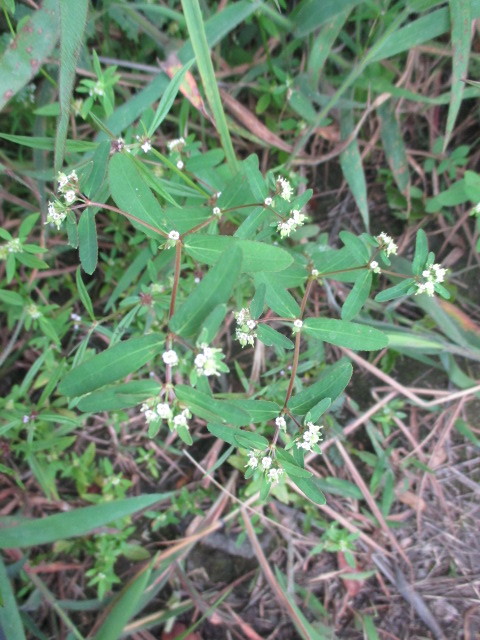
(374, 266)
(310, 437)
(67, 187)
(170, 357)
(433, 275)
(387, 244)
(145, 143)
(245, 332)
(297, 325)
(163, 411)
(176, 145)
(284, 188)
(209, 362)
(266, 464)
(33, 311)
(173, 239)
(286, 227)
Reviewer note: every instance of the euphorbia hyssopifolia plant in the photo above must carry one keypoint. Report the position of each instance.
(228, 263)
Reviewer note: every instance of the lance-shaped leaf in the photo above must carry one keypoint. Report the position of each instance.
(110, 365)
(330, 385)
(206, 407)
(345, 334)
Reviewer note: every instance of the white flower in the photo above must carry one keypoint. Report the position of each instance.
(476, 210)
(209, 362)
(170, 357)
(164, 411)
(62, 180)
(181, 419)
(268, 202)
(174, 235)
(180, 165)
(25, 419)
(245, 338)
(285, 188)
(70, 196)
(55, 215)
(434, 274)
(387, 243)
(281, 423)
(310, 437)
(150, 414)
(217, 211)
(374, 266)
(251, 324)
(274, 475)
(286, 227)
(266, 463)
(297, 324)
(75, 317)
(252, 460)
(245, 332)
(14, 246)
(315, 273)
(33, 311)
(425, 287)
(146, 146)
(175, 145)
(72, 177)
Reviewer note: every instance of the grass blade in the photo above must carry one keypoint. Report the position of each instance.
(10, 621)
(461, 17)
(73, 19)
(168, 98)
(196, 30)
(352, 167)
(394, 147)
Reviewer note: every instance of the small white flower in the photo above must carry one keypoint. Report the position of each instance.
(14, 246)
(180, 165)
(55, 215)
(266, 463)
(251, 324)
(297, 323)
(70, 196)
(72, 177)
(164, 411)
(217, 211)
(174, 235)
(33, 311)
(425, 287)
(62, 180)
(375, 267)
(285, 188)
(252, 460)
(181, 419)
(245, 338)
(315, 273)
(75, 317)
(387, 243)
(150, 416)
(281, 423)
(268, 202)
(146, 146)
(26, 419)
(175, 145)
(274, 475)
(170, 357)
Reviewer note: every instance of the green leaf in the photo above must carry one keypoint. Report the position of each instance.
(278, 298)
(208, 408)
(319, 409)
(47, 144)
(110, 365)
(87, 241)
(120, 396)
(212, 324)
(290, 466)
(461, 34)
(421, 252)
(237, 437)
(258, 410)
(167, 99)
(214, 289)
(271, 337)
(124, 607)
(258, 301)
(10, 622)
(256, 256)
(25, 54)
(394, 146)
(84, 297)
(397, 291)
(345, 334)
(71, 524)
(131, 194)
(330, 385)
(351, 163)
(357, 296)
(11, 298)
(310, 488)
(73, 20)
(310, 14)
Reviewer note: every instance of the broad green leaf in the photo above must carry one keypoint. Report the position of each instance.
(338, 264)
(271, 337)
(11, 298)
(25, 54)
(394, 146)
(123, 607)
(208, 408)
(237, 437)
(214, 289)
(319, 409)
(212, 324)
(397, 291)
(351, 163)
(345, 334)
(84, 296)
(185, 218)
(310, 487)
(120, 396)
(71, 524)
(73, 19)
(339, 487)
(461, 18)
(330, 385)
(110, 365)
(258, 301)
(278, 298)
(258, 410)
(421, 252)
(131, 194)
(289, 464)
(87, 241)
(356, 248)
(256, 256)
(358, 295)
(10, 622)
